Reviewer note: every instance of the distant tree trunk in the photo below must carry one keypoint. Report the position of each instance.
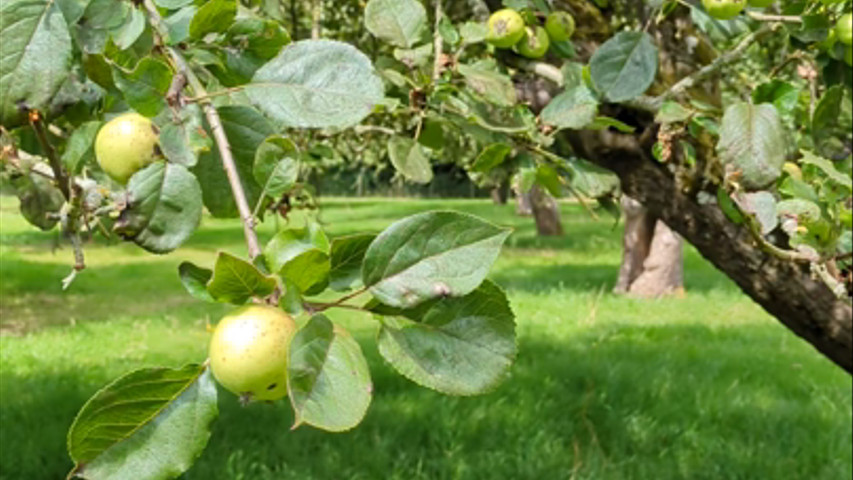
(500, 193)
(652, 262)
(316, 18)
(546, 212)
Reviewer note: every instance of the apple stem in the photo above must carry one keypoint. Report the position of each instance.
(216, 127)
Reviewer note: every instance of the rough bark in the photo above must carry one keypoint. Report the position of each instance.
(546, 212)
(783, 288)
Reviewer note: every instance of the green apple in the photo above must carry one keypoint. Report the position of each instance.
(506, 27)
(125, 145)
(724, 9)
(249, 352)
(760, 3)
(844, 29)
(560, 26)
(535, 43)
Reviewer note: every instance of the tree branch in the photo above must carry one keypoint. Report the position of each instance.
(713, 67)
(438, 42)
(785, 289)
(216, 127)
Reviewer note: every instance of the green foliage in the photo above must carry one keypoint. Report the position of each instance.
(328, 379)
(151, 423)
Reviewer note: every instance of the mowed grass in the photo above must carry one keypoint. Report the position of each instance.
(704, 387)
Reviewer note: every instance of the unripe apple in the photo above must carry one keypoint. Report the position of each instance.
(249, 352)
(844, 29)
(560, 26)
(506, 27)
(760, 3)
(724, 9)
(535, 43)
(125, 145)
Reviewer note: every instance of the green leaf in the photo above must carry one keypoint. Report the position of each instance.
(592, 180)
(548, 177)
(151, 423)
(415, 57)
(276, 166)
(235, 281)
(105, 14)
(39, 200)
(783, 95)
(328, 380)
(493, 86)
(36, 56)
(602, 122)
(144, 88)
(178, 24)
(431, 255)
(458, 346)
(163, 207)
(803, 210)
(246, 129)
(761, 205)
(346, 259)
(499, 119)
(80, 146)
(289, 244)
(473, 32)
(183, 139)
(672, 112)
(625, 66)
(409, 159)
(317, 84)
(309, 272)
(752, 141)
(828, 169)
(399, 22)
(258, 37)
(575, 108)
(448, 31)
(195, 280)
(172, 4)
(728, 206)
(129, 32)
(214, 16)
(491, 157)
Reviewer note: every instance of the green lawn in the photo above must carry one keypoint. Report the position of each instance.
(704, 387)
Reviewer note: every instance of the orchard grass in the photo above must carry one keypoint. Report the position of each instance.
(702, 387)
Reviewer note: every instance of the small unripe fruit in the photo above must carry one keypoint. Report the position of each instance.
(249, 352)
(560, 26)
(724, 9)
(535, 43)
(506, 27)
(125, 145)
(844, 29)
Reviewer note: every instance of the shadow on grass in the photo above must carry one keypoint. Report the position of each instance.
(621, 402)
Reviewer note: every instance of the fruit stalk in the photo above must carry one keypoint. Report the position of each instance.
(218, 134)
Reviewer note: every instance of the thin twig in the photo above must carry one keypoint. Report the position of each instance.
(438, 42)
(764, 17)
(219, 135)
(37, 122)
(713, 67)
(340, 303)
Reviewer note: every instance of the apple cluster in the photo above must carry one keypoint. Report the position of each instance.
(508, 29)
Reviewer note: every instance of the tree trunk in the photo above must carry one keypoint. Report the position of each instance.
(546, 212)
(784, 288)
(500, 193)
(523, 205)
(652, 262)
